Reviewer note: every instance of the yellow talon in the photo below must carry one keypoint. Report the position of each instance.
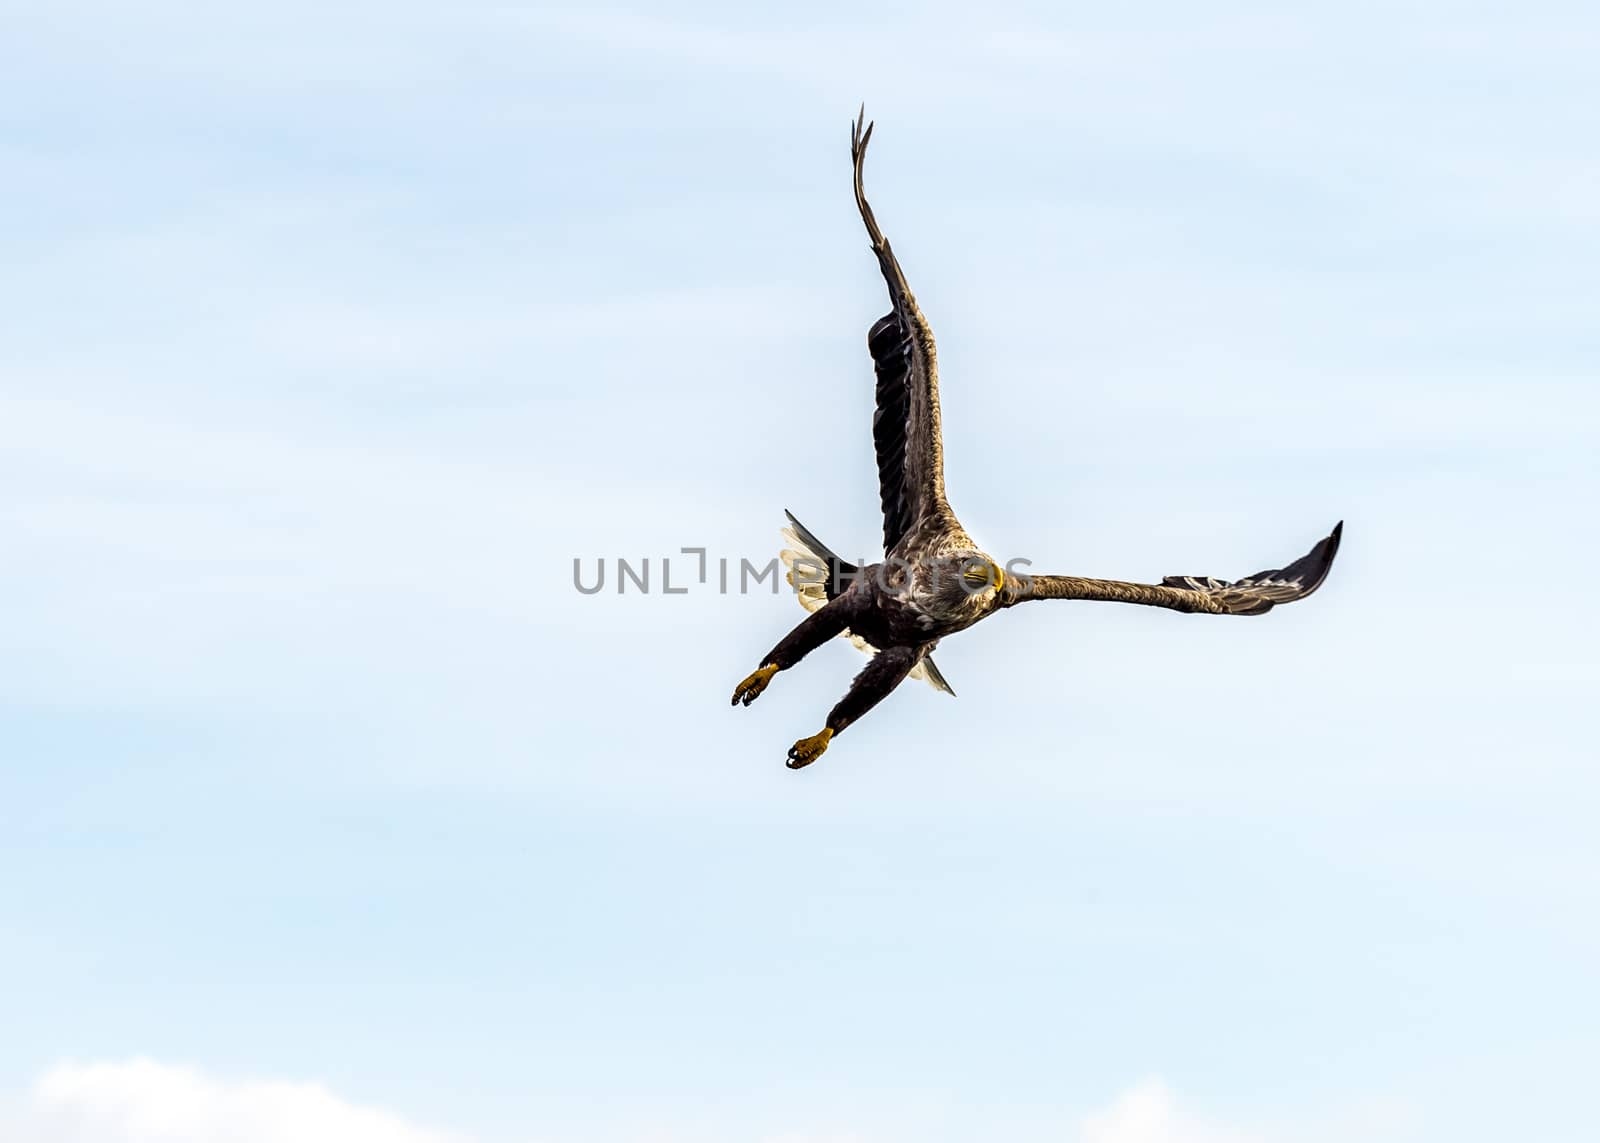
(748, 691)
(808, 750)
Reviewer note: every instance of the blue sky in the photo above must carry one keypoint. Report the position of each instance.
(328, 808)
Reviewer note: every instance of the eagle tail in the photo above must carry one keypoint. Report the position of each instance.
(814, 590)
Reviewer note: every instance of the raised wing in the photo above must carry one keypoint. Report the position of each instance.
(817, 576)
(1253, 595)
(905, 427)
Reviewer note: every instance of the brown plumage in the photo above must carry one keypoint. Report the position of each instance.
(934, 580)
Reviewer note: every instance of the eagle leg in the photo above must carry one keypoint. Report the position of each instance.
(811, 633)
(886, 671)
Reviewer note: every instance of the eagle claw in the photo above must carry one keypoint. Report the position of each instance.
(748, 691)
(808, 750)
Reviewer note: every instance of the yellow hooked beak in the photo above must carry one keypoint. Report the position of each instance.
(994, 576)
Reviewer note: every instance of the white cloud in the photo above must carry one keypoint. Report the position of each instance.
(142, 1101)
(1147, 1113)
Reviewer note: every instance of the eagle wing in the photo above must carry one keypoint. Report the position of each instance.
(1253, 595)
(905, 425)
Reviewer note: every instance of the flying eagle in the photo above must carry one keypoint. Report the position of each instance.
(934, 580)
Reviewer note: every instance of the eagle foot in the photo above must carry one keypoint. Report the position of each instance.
(748, 691)
(808, 750)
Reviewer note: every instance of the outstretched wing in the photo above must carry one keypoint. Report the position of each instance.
(905, 427)
(1253, 595)
(817, 576)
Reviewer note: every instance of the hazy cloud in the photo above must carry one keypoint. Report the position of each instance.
(146, 1101)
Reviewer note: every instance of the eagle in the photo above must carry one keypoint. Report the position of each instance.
(934, 579)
